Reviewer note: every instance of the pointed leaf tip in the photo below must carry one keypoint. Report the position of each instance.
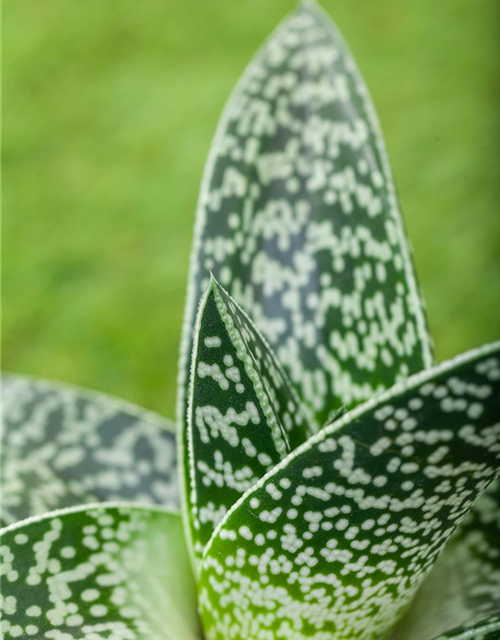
(241, 412)
(312, 6)
(298, 219)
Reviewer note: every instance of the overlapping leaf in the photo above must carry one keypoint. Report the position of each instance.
(64, 446)
(241, 410)
(462, 593)
(336, 539)
(299, 221)
(292, 539)
(105, 572)
(283, 397)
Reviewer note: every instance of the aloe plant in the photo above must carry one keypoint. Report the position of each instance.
(329, 481)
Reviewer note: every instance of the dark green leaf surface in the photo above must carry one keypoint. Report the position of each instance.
(299, 221)
(284, 398)
(463, 589)
(63, 446)
(241, 408)
(335, 541)
(105, 572)
(488, 629)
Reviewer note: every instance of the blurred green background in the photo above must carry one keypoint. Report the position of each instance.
(109, 111)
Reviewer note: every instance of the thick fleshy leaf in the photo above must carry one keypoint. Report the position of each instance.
(63, 446)
(334, 541)
(100, 572)
(241, 408)
(462, 592)
(288, 407)
(299, 221)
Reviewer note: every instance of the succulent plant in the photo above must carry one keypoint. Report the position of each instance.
(326, 480)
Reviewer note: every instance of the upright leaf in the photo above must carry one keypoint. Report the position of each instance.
(462, 593)
(100, 572)
(336, 539)
(289, 409)
(62, 446)
(240, 410)
(299, 221)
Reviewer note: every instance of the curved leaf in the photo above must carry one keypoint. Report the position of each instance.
(488, 629)
(299, 220)
(463, 589)
(63, 446)
(336, 539)
(241, 408)
(100, 572)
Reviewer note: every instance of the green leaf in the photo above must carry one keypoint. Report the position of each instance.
(298, 219)
(283, 397)
(488, 629)
(241, 409)
(463, 589)
(64, 446)
(336, 539)
(100, 572)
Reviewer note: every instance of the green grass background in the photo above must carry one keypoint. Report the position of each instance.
(109, 111)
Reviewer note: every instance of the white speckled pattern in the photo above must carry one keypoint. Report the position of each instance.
(242, 412)
(335, 540)
(63, 446)
(299, 221)
(98, 572)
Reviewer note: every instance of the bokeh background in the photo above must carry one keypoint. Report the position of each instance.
(109, 111)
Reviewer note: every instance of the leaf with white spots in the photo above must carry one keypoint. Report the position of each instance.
(462, 592)
(487, 629)
(63, 446)
(284, 398)
(100, 572)
(241, 408)
(298, 219)
(336, 539)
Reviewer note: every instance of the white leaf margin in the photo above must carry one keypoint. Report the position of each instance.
(100, 506)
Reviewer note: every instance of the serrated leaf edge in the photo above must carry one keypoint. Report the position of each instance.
(309, 420)
(277, 430)
(188, 482)
(405, 385)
